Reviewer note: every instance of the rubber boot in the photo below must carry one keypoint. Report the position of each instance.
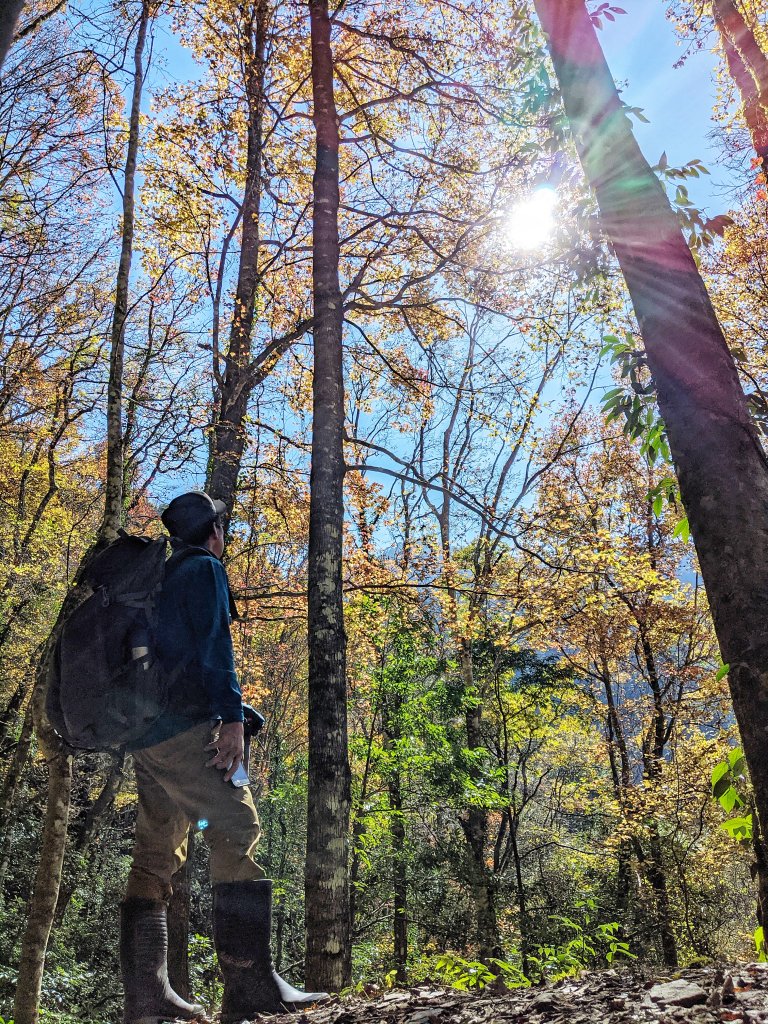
(149, 998)
(242, 926)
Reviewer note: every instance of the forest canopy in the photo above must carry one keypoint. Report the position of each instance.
(484, 393)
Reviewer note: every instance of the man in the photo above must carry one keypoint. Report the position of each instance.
(183, 772)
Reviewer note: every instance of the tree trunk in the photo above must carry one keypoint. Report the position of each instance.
(328, 956)
(95, 817)
(114, 484)
(58, 756)
(522, 898)
(475, 827)
(10, 12)
(11, 785)
(391, 721)
(48, 878)
(235, 386)
(618, 758)
(400, 879)
(654, 869)
(16, 768)
(228, 438)
(720, 464)
(10, 717)
(748, 68)
(653, 758)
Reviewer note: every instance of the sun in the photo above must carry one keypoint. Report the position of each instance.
(530, 222)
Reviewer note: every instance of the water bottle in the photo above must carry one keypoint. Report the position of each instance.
(140, 645)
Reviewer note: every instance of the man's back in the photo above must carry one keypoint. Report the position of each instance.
(193, 613)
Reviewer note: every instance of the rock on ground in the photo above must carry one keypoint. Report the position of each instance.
(702, 995)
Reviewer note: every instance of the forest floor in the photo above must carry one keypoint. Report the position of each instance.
(700, 995)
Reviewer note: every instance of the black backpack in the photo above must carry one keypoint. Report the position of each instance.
(106, 685)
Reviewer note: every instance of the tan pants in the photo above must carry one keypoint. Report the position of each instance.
(175, 790)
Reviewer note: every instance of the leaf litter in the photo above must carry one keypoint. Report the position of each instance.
(697, 995)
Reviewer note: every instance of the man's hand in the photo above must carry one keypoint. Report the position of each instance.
(228, 742)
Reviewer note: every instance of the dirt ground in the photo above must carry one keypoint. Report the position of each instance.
(698, 995)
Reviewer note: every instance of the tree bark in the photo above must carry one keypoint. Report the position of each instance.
(522, 896)
(621, 775)
(391, 721)
(657, 876)
(114, 483)
(229, 435)
(400, 879)
(721, 467)
(653, 757)
(16, 769)
(95, 817)
(10, 716)
(48, 878)
(10, 790)
(328, 955)
(58, 756)
(10, 12)
(475, 827)
(748, 67)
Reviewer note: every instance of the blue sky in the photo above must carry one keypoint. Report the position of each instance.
(642, 49)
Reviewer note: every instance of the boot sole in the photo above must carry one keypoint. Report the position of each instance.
(200, 1018)
(263, 1012)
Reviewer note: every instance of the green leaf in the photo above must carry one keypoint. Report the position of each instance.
(729, 799)
(738, 828)
(739, 769)
(759, 937)
(682, 530)
(721, 788)
(722, 672)
(735, 757)
(720, 771)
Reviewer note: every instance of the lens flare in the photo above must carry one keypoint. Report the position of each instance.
(530, 222)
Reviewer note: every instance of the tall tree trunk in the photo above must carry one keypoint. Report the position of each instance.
(720, 464)
(657, 876)
(653, 758)
(748, 67)
(10, 790)
(391, 721)
(47, 880)
(113, 488)
(522, 897)
(235, 387)
(10, 12)
(358, 821)
(475, 827)
(618, 759)
(57, 755)
(96, 816)
(16, 768)
(399, 879)
(329, 954)
(9, 717)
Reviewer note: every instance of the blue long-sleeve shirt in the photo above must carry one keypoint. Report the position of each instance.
(193, 616)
